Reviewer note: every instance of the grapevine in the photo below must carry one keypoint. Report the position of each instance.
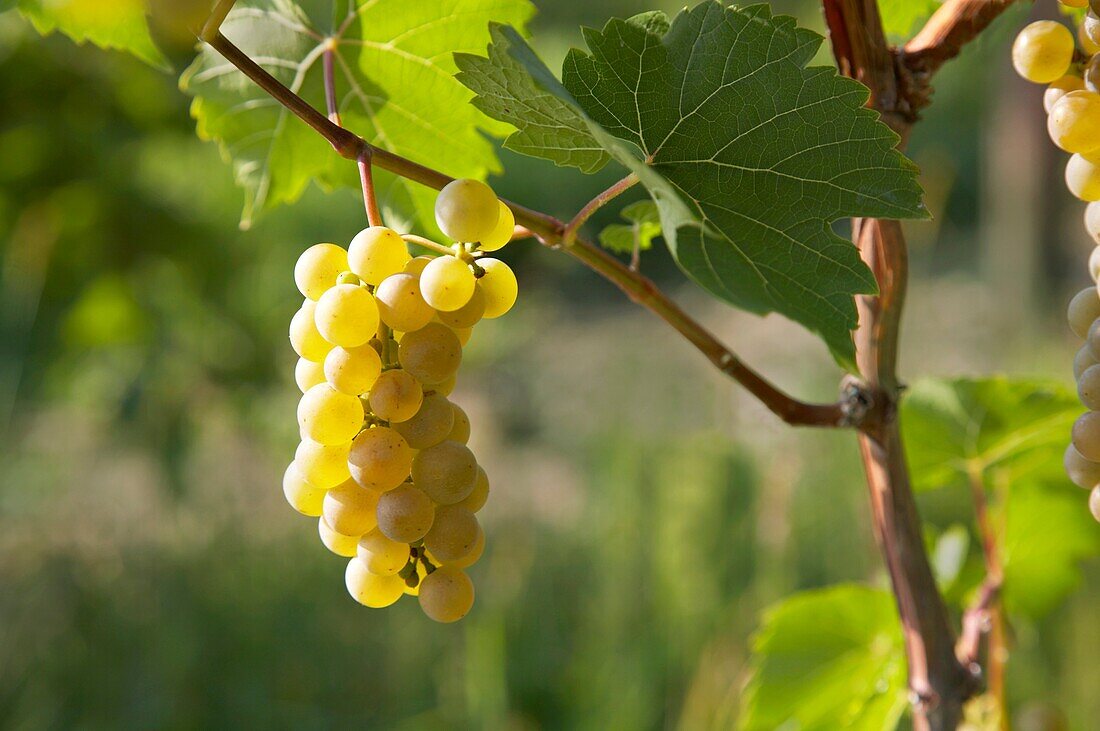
(383, 463)
(1046, 52)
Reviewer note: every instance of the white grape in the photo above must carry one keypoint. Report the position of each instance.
(1083, 309)
(327, 416)
(372, 590)
(446, 594)
(317, 269)
(347, 315)
(467, 210)
(499, 286)
(447, 283)
(377, 252)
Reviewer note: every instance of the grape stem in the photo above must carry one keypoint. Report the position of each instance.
(548, 230)
(429, 244)
(569, 233)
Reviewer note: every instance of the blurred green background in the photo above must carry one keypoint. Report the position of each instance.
(643, 509)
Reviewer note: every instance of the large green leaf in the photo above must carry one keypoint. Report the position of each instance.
(116, 24)
(394, 76)
(749, 155)
(956, 427)
(828, 660)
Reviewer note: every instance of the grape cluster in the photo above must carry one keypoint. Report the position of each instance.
(1045, 52)
(383, 463)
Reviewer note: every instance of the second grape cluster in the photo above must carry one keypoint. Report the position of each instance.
(383, 463)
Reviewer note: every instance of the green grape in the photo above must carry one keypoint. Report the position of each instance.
(476, 500)
(372, 590)
(400, 303)
(327, 416)
(305, 338)
(338, 543)
(1083, 361)
(502, 232)
(381, 555)
(1094, 264)
(308, 374)
(446, 472)
(1086, 435)
(430, 425)
(447, 283)
(453, 533)
(1059, 88)
(1043, 51)
(499, 286)
(347, 315)
(317, 268)
(460, 432)
(379, 459)
(468, 315)
(473, 556)
(1083, 177)
(1074, 122)
(1094, 503)
(396, 396)
(1081, 472)
(416, 265)
(322, 465)
(1083, 309)
(446, 594)
(349, 509)
(405, 514)
(1092, 221)
(302, 496)
(353, 371)
(377, 252)
(431, 354)
(467, 210)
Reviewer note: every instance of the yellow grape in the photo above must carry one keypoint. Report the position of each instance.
(372, 590)
(1086, 435)
(430, 425)
(446, 594)
(1059, 88)
(446, 472)
(1094, 264)
(466, 316)
(431, 354)
(416, 265)
(396, 396)
(1092, 221)
(474, 555)
(1074, 121)
(1089, 46)
(445, 388)
(447, 283)
(317, 269)
(305, 338)
(377, 252)
(353, 370)
(400, 303)
(1083, 309)
(338, 543)
(463, 335)
(499, 286)
(1083, 177)
(476, 500)
(349, 509)
(308, 374)
(1089, 33)
(421, 572)
(467, 210)
(302, 496)
(380, 459)
(405, 514)
(327, 416)
(502, 232)
(460, 432)
(323, 465)
(1075, 3)
(1043, 51)
(381, 555)
(453, 533)
(347, 315)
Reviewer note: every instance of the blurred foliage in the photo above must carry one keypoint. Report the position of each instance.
(153, 576)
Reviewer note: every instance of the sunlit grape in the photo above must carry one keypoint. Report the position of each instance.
(1083, 177)
(322, 465)
(1043, 51)
(372, 590)
(396, 396)
(446, 594)
(352, 370)
(305, 338)
(477, 498)
(468, 315)
(308, 374)
(416, 266)
(347, 315)
(338, 543)
(446, 472)
(302, 496)
(431, 354)
(1074, 122)
(1092, 221)
(460, 431)
(502, 232)
(377, 252)
(447, 283)
(467, 210)
(1094, 502)
(350, 509)
(379, 458)
(1059, 88)
(474, 555)
(405, 514)
(453, 533)
(1094, 264)
(327, 416)
(381, 555)
(430, 425)
(499, 286)
(401, 304)
(317, 269)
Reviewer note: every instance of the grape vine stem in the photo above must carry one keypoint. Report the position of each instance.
(850, 411)
(569, 233)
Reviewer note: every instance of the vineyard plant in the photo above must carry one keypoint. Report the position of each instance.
(767, 160)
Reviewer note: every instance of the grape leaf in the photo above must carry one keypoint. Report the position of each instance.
(644, 226)
(749, 154)
(395, 86)
(1048, 531)
(953, 426)
(118, 25)
(900, 18)
(825, 660)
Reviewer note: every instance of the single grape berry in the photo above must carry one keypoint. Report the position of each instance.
(396, 396)
(379, 458)
(473, 556)
(405, 514)
(431, 354)
(477, 498)
(381, 555)
(460, 432)
(468, 315)
(1083, 177)
(1083, 309)
(401, 304)
(1043, 51)
(317, 268)
(327, 416)
(467, 210)
(302, 496)
(372, 590)
(446, 594)
(1092, 221)
(447, 283)
(308, 374)
(446, 472)
(377, 252)
(1094, 502)
(347, 315)
(499, 286)
(350, 509)
(1081, 472)
(430, 425)
(502, 232)
(1083, 360)
(323, 465)
(1094, 264)
(453, 533)
(338, 543)
(305, 338)
(1059, 88)
(1074, 122)
(352, 370)
(1086, 435)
